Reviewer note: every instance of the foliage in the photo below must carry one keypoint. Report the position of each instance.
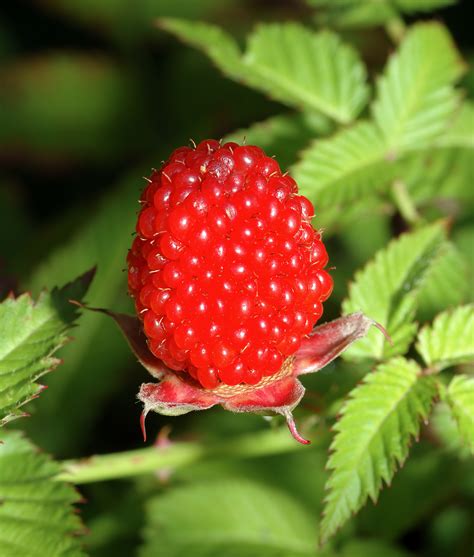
(370, 117)
(312, 71)
(31, 333)
(373, 435)
(36, 515)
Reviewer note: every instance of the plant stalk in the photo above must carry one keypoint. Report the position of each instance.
(177, 455)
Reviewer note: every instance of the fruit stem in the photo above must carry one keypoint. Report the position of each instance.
(175, 456)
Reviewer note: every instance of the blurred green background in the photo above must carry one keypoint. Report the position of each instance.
(92, 96)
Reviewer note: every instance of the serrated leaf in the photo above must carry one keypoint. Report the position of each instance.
(410, 6)
(386, 290)
(464, 240)
(417, 490)
(315, 72)
(460, 397)
(446, 430)
(460, 133)
(446, 285)
(345, 167)
(36, 514)
(234, 517)
(353, 13)
(218, 45)
(102, 240)
(363, 13)
(31, 332)
(443, 174)
(415, 94)
(449, 340)
(378, 423)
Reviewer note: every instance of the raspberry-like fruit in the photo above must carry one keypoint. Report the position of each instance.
(226, 270)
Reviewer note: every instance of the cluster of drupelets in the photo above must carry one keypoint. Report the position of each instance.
(226, 270)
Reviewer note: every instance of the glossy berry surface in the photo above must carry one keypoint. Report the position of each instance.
(226, 270)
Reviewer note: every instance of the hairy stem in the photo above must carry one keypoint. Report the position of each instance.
(176, 455)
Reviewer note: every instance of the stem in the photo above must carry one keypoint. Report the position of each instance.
(396, 29)
(404, 203)
(178, 455)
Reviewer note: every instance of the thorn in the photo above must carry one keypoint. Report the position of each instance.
(244, 140)
(142, 424)
(166, 176)
(384, 331)
(193, 143)
(290, 421)
(147, 179)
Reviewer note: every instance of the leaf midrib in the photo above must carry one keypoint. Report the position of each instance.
(312, 100)
(404, 115)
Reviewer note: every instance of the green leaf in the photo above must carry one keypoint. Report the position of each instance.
(446, 285)
(373, 435)
(353, 13)
(282, 136)
(460, 397)
(314, 72)
(428, 479)
(36, 514)
(446, 430)
(464, 240)
(345, 167)
(218, 45)
(415, 94)
(31, 333)
(409, 6)
(232, 517)
(386, 290)
(460, 133)
(94, 364)
(363, 13)
(443, 174)
(449, 340)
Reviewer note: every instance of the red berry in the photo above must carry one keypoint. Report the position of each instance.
(222, 354)
(180, 223)
(208, 377)
(234, 373)
(226, 270)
